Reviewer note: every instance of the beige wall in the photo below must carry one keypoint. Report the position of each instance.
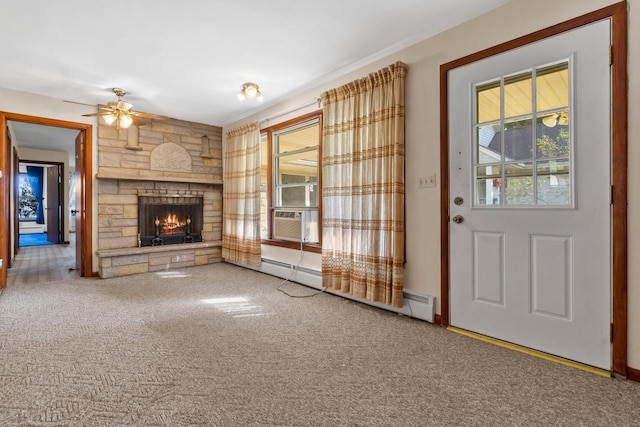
(515, 19)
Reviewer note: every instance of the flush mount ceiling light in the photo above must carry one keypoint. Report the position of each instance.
(250, 90)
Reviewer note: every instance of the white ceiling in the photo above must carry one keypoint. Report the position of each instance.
(188, 59)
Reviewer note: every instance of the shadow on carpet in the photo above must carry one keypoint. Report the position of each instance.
(35, 239)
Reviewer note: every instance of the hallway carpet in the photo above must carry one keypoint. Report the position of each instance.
(34, 239)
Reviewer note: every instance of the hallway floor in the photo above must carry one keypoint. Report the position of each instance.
(41, 264)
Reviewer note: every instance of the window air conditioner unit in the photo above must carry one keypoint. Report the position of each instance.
(287, 225)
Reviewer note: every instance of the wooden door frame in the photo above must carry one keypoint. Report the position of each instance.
(7, 178)
(87, 223)
(618, 14)
(16, 217)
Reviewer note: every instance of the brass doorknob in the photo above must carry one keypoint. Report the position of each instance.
(457, 219)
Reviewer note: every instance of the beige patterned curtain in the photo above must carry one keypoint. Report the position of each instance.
(363, 187)
(241, 196)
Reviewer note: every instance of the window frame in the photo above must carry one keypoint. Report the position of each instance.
(269, 132)
(535, 115)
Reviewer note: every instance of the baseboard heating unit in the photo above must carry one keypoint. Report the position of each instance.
(416, 305)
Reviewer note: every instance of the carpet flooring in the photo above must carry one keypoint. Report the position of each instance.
(218, 345)
(33, 239)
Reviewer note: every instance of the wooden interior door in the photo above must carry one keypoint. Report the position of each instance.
(16, 217)
(54, 210)
(5, 227)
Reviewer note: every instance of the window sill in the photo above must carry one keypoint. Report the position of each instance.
(307, 247)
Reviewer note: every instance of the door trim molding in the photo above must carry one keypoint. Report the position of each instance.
(618, 14)
(61, 216)
(87, 224)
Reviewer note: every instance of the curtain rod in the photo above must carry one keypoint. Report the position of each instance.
(290, 110)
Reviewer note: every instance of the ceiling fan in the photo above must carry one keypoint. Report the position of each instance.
(121, 113)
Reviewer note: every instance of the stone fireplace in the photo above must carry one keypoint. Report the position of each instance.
(158, 182)
(169, 220)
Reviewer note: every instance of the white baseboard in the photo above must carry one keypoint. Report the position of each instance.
(416, 305)
(31, 228)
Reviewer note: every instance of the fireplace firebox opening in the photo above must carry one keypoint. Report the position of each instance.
(168, 220)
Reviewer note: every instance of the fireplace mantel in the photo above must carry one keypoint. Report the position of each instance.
(190, 180)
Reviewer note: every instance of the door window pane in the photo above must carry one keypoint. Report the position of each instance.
(518, 140)
(554, 182)
(552, 87)
(488, 183)
(517, 95)
(553, 135)
(488, 102)
(518, 189)
(489, 144)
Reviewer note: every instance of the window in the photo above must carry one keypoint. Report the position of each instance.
(27, 203)
(522, 139)
(290, 174)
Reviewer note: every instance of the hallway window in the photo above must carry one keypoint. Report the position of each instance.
(27, 203)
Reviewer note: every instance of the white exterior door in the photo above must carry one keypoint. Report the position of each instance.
(530, 196)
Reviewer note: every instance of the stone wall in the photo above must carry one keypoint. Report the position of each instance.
(161, 158)
(170, 150)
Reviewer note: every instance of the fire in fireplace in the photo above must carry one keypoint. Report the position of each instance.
(167, 220)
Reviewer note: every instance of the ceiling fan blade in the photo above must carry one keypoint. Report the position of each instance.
(136, 121)
(121, 105)
(94, 114)
(148, 115)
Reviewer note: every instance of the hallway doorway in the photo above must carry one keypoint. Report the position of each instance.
(79, 150)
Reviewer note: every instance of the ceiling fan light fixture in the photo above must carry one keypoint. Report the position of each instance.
(109, 118)
(125, 121)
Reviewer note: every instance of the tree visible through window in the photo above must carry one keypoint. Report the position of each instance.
(27, 203)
